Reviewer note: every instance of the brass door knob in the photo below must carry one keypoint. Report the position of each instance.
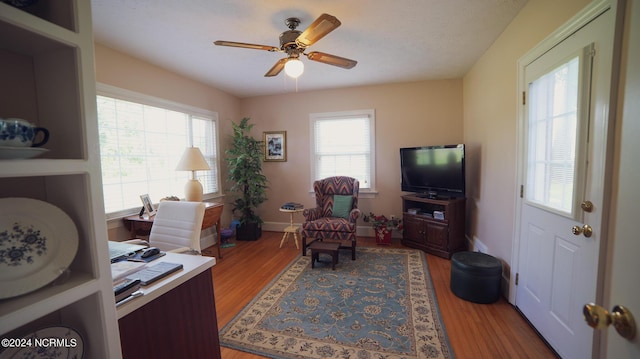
(599, 318)
(587, 206)
(586, 230)
(576, 230)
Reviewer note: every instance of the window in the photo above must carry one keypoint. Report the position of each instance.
(342, 144)
(553, 130)
(141, 141)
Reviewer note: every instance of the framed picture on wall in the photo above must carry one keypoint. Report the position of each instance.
(147, 204)
(275, 145)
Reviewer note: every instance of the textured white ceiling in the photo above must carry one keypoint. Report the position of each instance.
(393, 41)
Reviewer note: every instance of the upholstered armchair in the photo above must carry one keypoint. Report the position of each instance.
(335, 214)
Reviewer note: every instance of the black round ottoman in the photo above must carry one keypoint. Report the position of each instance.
(476, 277)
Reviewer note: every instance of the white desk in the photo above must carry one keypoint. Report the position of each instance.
(192, 266)
(155, 324)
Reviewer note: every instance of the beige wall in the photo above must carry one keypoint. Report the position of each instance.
(407, 114)
(479, 110)
(120, 70)
(490, 117)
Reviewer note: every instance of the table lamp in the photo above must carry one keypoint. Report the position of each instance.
(193, 160)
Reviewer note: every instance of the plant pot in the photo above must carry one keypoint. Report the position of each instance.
(383, 237)
(248, 232)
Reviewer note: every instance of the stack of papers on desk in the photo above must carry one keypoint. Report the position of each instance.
(120, 270)
(119, 250)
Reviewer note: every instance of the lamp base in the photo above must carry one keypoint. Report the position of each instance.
(193, 191)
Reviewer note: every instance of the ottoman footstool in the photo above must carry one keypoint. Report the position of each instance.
(476, 277)
(331, 248)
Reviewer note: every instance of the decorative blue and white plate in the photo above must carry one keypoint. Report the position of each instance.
(38, 242)
(46, 343)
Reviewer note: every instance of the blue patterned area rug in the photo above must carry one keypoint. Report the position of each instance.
(381, 305)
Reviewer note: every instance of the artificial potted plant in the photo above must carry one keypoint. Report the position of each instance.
(383, 226)
(244, 159)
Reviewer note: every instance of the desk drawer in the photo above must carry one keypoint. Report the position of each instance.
(211, 215)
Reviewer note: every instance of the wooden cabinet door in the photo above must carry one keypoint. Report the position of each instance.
(414, 229)
(437, 235)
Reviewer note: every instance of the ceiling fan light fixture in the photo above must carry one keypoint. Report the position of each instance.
(294, 68)
(294, 43)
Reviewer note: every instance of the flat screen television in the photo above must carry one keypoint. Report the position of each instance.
(433, 171)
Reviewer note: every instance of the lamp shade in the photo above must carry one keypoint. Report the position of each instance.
(192, 160)
(293, 68)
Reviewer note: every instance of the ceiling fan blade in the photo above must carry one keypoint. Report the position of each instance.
(331, 59)
(275, 70)
(323, 25)
(247, 46)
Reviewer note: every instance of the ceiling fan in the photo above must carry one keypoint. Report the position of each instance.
(294, 43)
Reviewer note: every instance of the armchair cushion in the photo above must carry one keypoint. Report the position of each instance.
(342, 205)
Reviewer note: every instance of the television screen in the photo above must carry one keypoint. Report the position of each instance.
(435, 170)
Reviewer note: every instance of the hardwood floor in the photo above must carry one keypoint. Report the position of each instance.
(475, 330)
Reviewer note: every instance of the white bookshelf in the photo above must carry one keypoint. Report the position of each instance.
(47, 72)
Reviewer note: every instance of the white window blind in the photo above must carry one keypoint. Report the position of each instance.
(553, 127)
(141, 144)
(204, 135)
(342, 145)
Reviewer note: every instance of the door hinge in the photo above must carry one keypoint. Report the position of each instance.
(517, 278)
(521, 191)
(524, 98)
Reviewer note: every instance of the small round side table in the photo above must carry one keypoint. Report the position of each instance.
(291, 229)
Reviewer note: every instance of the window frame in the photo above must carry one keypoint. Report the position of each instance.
(343, 115)
(193, 112)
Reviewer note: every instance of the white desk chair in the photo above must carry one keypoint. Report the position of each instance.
(176, 227)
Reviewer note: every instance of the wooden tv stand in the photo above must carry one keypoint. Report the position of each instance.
(441, 237)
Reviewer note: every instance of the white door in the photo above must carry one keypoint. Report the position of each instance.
(625, 242)
(564, 161)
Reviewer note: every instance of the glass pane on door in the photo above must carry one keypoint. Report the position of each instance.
(552, 135)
